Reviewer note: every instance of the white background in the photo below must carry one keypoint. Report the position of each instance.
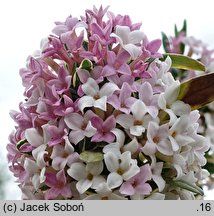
(24, 22)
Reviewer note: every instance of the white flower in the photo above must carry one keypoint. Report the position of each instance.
(129, 40)
(34, 138)
(104, 192)
(36, 169)
(210, 129)
(156, 173)
(168, 102)
(122, 167)
(119, 146)
(138, 121)
(88, 176)
(157, 140)
(178, 135)
(80, 125)
(94, 96)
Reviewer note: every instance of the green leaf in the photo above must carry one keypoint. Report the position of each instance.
(165, 41)
(186, 186)
(197, 92)
(75, 78)
(184, 28)
(176, 31)
(86, 64)
(88, 156)
(21, 143)
(184, 62)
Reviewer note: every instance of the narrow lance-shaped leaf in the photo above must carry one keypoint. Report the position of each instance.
(184, 62)
(176, 31)
(165, 41)
(186, 186)
(184, 29)
(198, 92)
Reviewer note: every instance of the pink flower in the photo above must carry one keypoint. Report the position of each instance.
(63, 155)
(95, 73)
(56, 133)
(58, 186)
(137, 184)
(62, 82)
(150, 49)
(70, 24)
(116, 64)
(124, 101)
(104, 129)
(101, 34)
(66, 106)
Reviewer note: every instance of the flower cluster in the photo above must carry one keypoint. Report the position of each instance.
(189, 45)
(101, 119)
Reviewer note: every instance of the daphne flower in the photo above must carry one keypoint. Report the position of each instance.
(70, 24)
(63, 155)
(88, 176)
(104, 192)
(137, 122)
(178, 133)
(121, 167)
(33, 137)
(124, 101)
(129, 40)
(137, 184)
(34, 172)
(194, 152)
(157, 140)
(116, 64)
(95, 97)
(147, 96)
(119, 145)
(58, 185)
(156, 168)
(104, 129)
(56, 134)
(80, 125)
(36, 169)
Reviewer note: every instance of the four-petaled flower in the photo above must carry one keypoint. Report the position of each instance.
(121, 167)
(96, 97)
(87, 176)
(138, 121)
(104, 129)
(58, 185)
(137, 184)
(129, 40)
